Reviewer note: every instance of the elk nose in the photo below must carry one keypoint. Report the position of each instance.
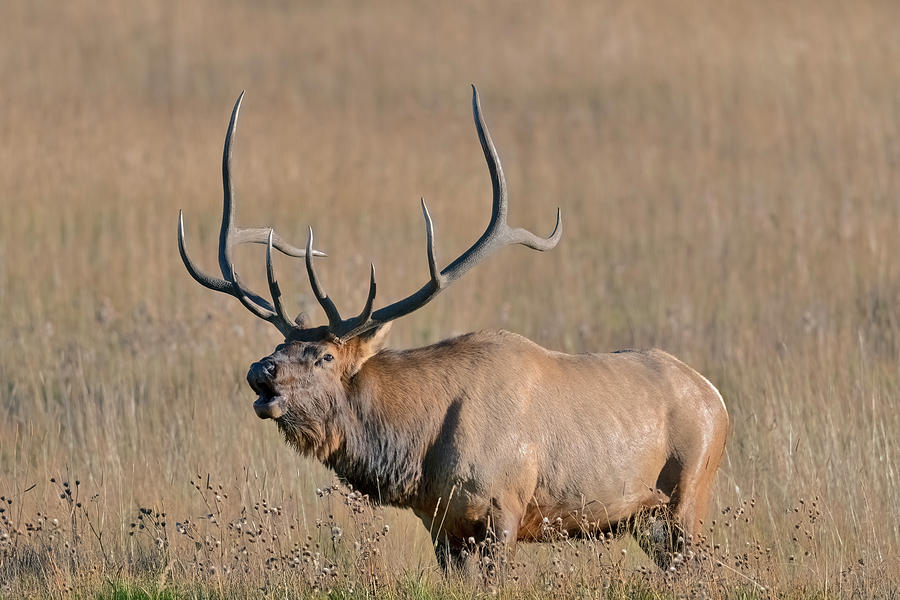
(261, 376)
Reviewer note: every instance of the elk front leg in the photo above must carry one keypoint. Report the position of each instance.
(454, 559)
(506, 533)
(490, 546)
(496, 553)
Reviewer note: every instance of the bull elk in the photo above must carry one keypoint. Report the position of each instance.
(499, 432)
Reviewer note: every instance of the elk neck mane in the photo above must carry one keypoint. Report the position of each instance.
(397, 406)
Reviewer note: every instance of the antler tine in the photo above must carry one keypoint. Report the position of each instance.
(283, 321)
(436, 278)
(362, 322)
(227, 230)
(339, 327)
(207, 281)
(366, 313)
(497, 234)
(334, 317)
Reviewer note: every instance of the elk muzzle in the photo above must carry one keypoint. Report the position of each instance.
(261, 378)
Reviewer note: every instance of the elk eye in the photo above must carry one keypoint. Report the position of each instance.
(328, 357)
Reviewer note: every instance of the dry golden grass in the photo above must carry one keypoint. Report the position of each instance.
(728, 175)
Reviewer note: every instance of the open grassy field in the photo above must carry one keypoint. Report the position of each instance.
(729, 176)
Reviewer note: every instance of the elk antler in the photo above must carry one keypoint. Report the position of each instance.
(497, 235)
(230, 236)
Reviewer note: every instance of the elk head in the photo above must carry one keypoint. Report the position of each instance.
(305, 382)
(303, 385)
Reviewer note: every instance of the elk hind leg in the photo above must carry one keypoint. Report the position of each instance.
(691, 503)
(656, 528)
(657, 533)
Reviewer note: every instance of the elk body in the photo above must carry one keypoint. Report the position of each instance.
(493, 432)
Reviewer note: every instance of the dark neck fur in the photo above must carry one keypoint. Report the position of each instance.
(396, 409)
(386, 436)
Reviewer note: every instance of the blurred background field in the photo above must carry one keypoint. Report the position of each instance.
(727, 173)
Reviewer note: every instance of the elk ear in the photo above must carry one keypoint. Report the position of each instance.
(373, 340)
(369, 343)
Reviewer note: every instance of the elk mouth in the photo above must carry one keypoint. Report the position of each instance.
(268, 405)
